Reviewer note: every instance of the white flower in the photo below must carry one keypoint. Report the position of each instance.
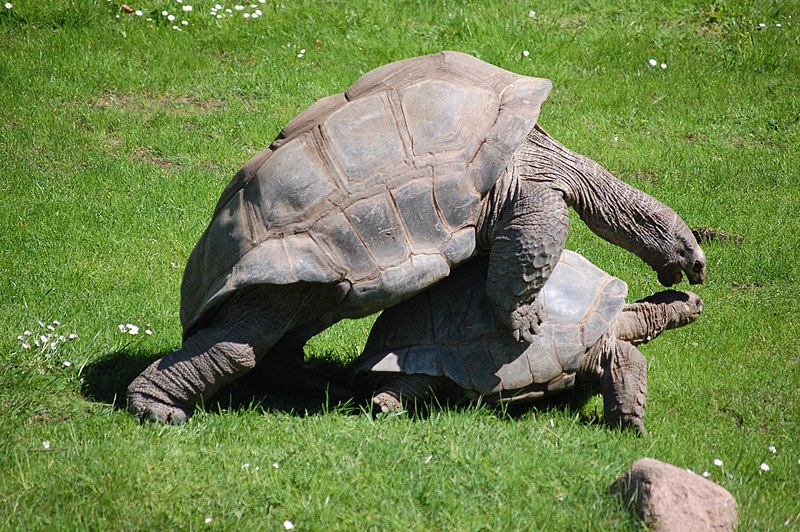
(238, 8)
(187, 8)
(717, 462)
(246, 15)
(72, 336)
(56, 322)
(288, 525)
(652, 62)
(209, 519)
(663, 65)
(525, 53)
(532, 13)
(26, 345)
(217, 7)
(9, 5)
(185, 23)
(133, 329)
(246, 465)
(46, 445)
(762, 25)
(777, 24)
(164, 13)
(27, 333)
(138, 13)
(616, 138)
(171, 18)
(772, 449)
(67, 363)
(276, 465)
(706, 474)
(764, 466)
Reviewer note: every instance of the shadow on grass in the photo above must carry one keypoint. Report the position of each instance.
(311, 388)
(307, 389)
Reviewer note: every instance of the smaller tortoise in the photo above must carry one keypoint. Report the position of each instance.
(446, 342)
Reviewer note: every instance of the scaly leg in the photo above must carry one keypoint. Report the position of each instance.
(645, 319)
(622, 372)
(526, 244)
(242, 332)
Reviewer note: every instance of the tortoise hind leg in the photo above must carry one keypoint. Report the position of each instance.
(645, 319)
(622, 372)
(242, 332)
(404, 389)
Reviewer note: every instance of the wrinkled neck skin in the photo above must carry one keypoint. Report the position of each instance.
(612, 209)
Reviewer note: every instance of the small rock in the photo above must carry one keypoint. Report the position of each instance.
(668, 498)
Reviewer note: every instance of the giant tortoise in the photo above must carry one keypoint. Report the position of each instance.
(445, 342)
(371, 196)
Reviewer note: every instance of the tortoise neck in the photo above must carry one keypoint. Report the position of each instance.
(612, 209)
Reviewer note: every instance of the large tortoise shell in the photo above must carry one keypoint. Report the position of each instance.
(376, 189)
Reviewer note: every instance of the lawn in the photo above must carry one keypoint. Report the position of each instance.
(119, 128)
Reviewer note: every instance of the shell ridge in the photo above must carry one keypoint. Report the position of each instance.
(404, 133)
(363, 242)
(401, 222)
(320, 146)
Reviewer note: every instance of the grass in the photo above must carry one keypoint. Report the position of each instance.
(118, 135)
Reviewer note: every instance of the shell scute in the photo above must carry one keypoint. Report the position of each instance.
(294, 185)
(448, 130)
(427, 233)
(363, 137)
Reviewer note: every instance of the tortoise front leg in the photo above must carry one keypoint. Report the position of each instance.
(526, 244)
(622, 372)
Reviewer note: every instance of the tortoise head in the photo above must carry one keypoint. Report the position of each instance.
(672, 250)
(687, 257)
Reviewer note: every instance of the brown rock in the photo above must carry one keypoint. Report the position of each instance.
(668, 498)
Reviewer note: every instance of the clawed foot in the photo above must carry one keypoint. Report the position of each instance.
(388, 402)
(148, 409)
(525, 321)
(626, 421)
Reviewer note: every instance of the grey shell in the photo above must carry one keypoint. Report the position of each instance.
(449, 331)
(376, 190)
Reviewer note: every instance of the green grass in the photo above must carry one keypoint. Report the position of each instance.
(118, 135)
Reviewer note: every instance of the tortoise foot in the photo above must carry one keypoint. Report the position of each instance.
(525, 321)
(151, 410)
(388, 402)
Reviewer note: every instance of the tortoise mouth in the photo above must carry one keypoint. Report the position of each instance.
(695, 274)
(669, 277)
